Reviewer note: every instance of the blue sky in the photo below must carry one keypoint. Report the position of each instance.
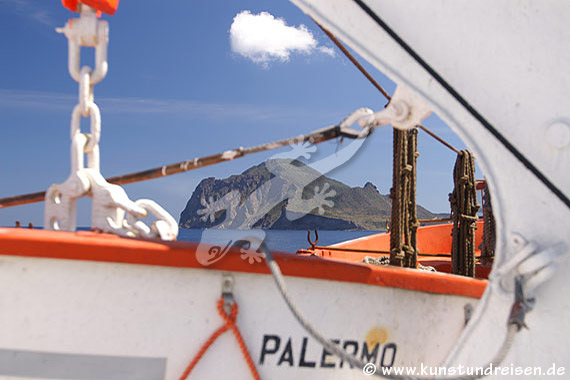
(176, 90)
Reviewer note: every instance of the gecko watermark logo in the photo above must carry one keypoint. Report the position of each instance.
(287, 184)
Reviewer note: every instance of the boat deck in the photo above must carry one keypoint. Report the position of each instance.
(434, 246)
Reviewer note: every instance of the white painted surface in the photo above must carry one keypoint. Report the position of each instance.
(509, 60)
(80, 307)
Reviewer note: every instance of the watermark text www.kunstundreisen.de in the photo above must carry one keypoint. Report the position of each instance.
(461, 370)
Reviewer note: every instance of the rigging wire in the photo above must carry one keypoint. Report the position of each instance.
(315, 137)
(373, 251)
(183, 166)
(354, 61)
(429, 132)
(375, 83)
(459, 98)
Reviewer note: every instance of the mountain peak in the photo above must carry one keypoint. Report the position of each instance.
(259, 194)
(370, 185)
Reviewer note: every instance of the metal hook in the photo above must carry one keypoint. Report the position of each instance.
(313, 244)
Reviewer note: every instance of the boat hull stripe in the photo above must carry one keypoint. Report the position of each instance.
(48, 365)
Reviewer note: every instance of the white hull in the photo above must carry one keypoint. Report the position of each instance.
(162, 316)
(508, 60)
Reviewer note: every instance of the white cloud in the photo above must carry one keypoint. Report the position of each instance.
(327, 50)
(263, 38)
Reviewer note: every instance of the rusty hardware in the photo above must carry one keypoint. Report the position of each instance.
(314, 137)
(313, 244)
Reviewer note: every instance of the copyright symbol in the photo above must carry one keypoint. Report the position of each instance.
(369, 369)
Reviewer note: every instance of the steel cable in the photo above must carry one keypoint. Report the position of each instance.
(513, 326)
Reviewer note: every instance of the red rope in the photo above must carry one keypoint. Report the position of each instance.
(230, 324)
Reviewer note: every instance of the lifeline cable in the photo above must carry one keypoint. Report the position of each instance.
(487, 125)
(514, 324)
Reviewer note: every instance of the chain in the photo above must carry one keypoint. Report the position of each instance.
(87, 31)
(112, 210)
(90, 32)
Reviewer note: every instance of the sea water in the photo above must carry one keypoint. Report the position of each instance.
(288, 240)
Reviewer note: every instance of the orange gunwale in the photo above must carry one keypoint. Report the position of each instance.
(90, 246)
(431, 239)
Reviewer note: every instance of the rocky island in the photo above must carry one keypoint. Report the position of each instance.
(353, 208)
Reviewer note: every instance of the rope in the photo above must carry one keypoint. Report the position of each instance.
(513, 326)
(412, 220)
(464, 207)
(385, 260)
(404, 223)
(489, 238)
(230, 324)
(396, 195)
